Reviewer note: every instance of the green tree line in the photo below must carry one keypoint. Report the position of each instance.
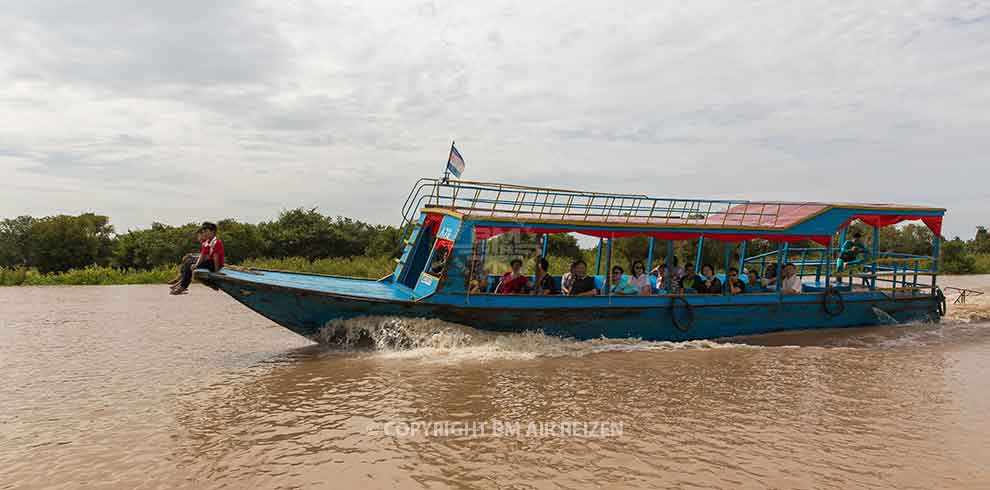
(56, 244)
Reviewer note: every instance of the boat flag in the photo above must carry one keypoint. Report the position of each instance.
(455, 163)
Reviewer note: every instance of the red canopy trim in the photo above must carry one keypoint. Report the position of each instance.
(432, 222)
(934, 223)
(486, 232)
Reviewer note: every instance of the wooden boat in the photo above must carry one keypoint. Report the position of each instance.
(457, 219)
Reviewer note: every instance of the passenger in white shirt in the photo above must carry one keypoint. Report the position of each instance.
(791, 283)
(640, 279)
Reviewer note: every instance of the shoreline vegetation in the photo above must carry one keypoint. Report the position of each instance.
(371, 267)
(85, 249)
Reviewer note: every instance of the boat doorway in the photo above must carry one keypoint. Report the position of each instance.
(418, 256)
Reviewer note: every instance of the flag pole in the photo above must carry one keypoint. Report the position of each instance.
(446, 166)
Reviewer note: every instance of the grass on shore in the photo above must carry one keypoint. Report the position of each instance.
(982, 263)
(360, 266)
(374, 267)
(92, 276)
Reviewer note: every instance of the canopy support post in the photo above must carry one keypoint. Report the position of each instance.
(649, 258)
(669, 270)
(598, 261)
(935, 262)
(876, 256)
(742, 257)
(697, 260)
(828, 265)
(608, 271)
(726, 288)
(546, 243)
(779, 280)
(842, 243)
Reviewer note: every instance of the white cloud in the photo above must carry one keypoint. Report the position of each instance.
(180, 111)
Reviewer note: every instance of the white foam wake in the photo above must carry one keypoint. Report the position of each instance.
(406, 338)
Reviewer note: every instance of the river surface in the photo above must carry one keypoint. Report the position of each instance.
(128, 387)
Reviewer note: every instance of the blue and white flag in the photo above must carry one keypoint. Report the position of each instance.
(455, 163)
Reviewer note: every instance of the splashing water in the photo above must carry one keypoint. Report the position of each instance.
(433, 340)
(977, 312)
(884, 317)
(429, 339)
(394, 333)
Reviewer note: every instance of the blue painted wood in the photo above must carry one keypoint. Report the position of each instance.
(426, 286)
(828, 264)
(728, 263)
(742, 258)
(697, 259)
(649, 257)
(306, 304)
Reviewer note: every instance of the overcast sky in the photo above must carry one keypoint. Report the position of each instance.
(184, 110)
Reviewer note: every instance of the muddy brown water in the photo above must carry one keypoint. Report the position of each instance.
(127, 387)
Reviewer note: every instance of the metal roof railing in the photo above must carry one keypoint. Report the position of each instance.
(524, 203)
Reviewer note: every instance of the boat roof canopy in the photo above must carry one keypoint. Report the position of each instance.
(494, 209)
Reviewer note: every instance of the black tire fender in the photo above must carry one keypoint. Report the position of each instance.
(940, 302)
(839, 302)
(673, 315)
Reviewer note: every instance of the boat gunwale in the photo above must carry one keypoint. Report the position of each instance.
(279, 287)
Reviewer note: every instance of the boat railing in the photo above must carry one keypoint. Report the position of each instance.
(506, 201)
(893, 270)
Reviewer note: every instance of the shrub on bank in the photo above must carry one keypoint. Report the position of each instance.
(981, 263)
(95, 276)
(358, 266)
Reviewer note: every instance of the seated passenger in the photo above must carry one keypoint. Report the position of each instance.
(676, 272)
(567, 281)
(791, 282)
(710, 284)
(691, 280)
(581, 284)
(621, 285)
(544, 283)
(736, 285)
(640, 280)
(852, 252)
(439, 261)
(670, 283)
(477, 277)
(769, 281)
(755, 284)
(513, 282)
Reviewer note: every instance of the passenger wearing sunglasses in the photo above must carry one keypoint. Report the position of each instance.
(640, 279)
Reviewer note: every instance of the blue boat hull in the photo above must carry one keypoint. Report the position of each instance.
(306, 312)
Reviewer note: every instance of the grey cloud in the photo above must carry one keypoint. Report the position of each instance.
(339, 105)
(132, 140)
(129, 46)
